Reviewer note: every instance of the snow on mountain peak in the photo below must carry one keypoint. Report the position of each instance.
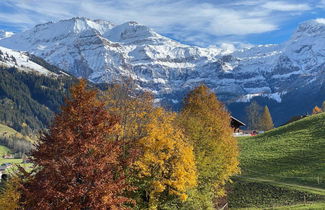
(310, 28)
(22, 61)
(306, 48)
(103, 52)
(131, 32)
(80, 24)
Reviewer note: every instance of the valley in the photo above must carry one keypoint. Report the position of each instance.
(148, 80)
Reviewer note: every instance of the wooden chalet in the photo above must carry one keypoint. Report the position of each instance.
(236, 124)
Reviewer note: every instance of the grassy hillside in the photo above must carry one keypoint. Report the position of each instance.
(9, 132)
(3, 150)
(257, 194)
(285, 166)
(294, 153)
(6, 129)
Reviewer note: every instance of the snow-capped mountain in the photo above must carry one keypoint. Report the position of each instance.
(275, 70)
(28, 63)
(103, 52)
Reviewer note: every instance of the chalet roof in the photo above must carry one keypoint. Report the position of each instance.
(238, 121)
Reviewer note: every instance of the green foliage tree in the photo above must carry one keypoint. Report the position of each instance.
(207, 125)
(266, 122)
(253, 113)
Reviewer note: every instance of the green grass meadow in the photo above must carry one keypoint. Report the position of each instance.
(283, 168)
(6, 129)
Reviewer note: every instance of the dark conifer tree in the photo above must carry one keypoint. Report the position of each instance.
(253, 112)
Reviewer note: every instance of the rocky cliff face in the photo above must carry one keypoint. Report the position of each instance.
(103, 52)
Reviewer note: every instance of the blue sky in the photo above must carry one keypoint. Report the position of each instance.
(195, 22)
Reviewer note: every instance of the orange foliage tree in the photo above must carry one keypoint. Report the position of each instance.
(78, 162)
(317, 110)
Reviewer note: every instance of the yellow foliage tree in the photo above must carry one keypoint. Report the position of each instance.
(138, 122)
(10, 195)
(167, 165)
(266, 120)
(131, 106)
(207, 124)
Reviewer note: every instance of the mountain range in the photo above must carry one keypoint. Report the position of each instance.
(288, 77)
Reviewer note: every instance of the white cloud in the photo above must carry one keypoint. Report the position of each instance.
(186, 19)
(284, 6)
(230, 22)
(320, 20)
(183, 15)
(232, 46)
(228, 47)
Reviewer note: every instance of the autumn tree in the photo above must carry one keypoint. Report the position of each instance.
(132, 106)
(266, 122)
(166, 168)
(253, 112)
(207, 125)
(78, 163)
(10, 194)
(316, 110)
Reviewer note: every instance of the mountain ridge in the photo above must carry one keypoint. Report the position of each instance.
(104, 52)
(31, 91)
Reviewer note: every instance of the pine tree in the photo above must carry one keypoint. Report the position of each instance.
(207, 125)
(78, 164)
(266, 120)
(166, 168)
(253, 112)
(316, 110)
